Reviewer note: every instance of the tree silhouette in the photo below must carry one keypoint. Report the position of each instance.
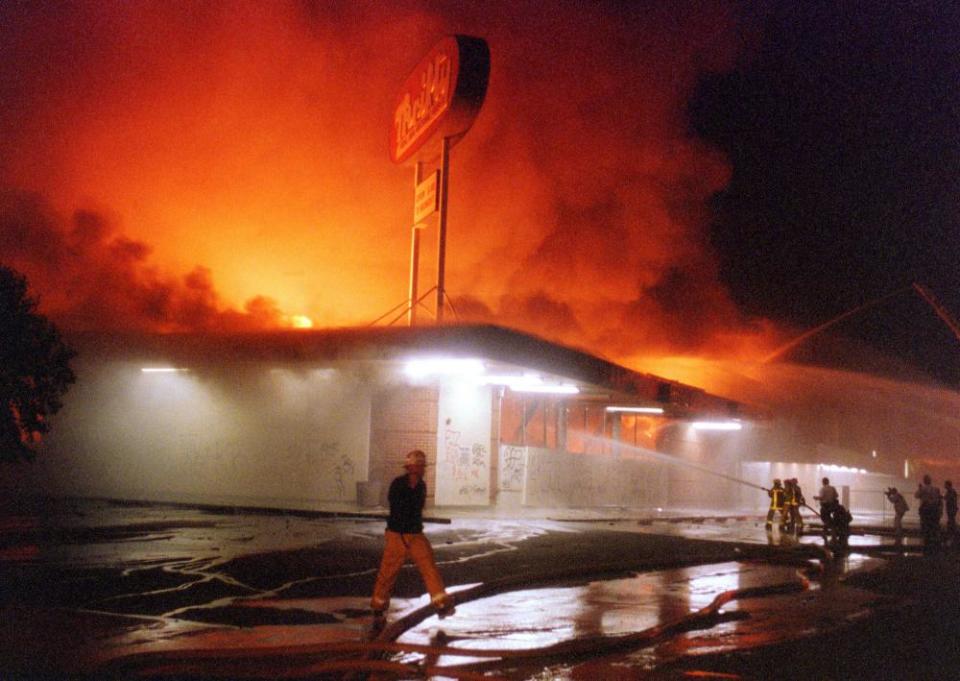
(34, 369)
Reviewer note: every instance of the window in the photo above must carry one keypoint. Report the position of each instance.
(551, 411)
(511, 419)
(585, 428)
(576, 428)
(528, 420)
(594, 429)
(639, 431)
(628, 429)
(535, 423)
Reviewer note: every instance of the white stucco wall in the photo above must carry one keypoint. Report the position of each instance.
(560, 479)
(865, 490)
(463, 445)
(238, 435)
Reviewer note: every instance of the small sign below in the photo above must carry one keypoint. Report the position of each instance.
(425, 200)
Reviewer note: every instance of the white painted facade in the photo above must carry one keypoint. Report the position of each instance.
(251, 435)
(309, 422)
(463, 445)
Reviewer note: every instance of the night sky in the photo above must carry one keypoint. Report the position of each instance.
(703, 178)
(843, 130)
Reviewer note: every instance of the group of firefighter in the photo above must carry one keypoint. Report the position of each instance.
(932, 506)
(785, 502)
(786, 498)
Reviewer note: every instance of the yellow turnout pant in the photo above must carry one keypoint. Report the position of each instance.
(397, 549)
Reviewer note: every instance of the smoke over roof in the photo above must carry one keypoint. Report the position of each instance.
(219, 166)
(89, 277)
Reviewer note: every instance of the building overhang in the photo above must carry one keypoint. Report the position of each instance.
(503, 352)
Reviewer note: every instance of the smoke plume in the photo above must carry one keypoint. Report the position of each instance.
(88, 277)
(246, 142)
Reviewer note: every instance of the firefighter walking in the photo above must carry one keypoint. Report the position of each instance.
(405, 539)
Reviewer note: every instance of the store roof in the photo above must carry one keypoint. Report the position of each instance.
(388, 344)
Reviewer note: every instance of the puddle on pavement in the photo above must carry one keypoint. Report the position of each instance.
(536, 618)
(532, 619)
(203, 578)
(519, 620)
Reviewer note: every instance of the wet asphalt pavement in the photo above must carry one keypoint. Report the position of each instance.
(103, 590)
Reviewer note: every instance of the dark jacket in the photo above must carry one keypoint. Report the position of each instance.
(950, 497)
(406, 506)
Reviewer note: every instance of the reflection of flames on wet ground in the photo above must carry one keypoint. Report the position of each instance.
(250, 593)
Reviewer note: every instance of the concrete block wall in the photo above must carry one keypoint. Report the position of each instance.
(402, 418)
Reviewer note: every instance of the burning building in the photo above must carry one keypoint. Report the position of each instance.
(323, 419)
(585, 220)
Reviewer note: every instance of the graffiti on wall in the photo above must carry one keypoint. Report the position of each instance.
(463, 445)
(336, 471)
(512, 467)
(465, 464)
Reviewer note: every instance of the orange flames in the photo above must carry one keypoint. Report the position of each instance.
(152, 149)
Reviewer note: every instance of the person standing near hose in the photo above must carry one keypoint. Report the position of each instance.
(794, 501)
(829, 500)
(900, 508)
(405, 539)
(776, 505)
(931, 508)
(786, 514)
(950, 502)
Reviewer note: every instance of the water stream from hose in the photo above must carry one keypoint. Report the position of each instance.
(669, 460)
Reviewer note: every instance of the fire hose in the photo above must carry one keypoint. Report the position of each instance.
(282, 662)
(590, 646)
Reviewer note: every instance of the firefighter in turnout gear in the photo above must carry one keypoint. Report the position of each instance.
(793, 500)
(776, 494)
(405, 540)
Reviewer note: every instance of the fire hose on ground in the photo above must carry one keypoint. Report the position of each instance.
(314, 660)
(589, 646)
(368, 657)
(303, 662)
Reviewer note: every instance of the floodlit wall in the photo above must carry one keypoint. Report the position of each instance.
(861, 492)
(463, 445)
(403, 418)
(707, 470)
(551, 478)
(244, 434)
(511, 474)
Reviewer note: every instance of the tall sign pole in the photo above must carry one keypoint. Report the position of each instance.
(442, 226)
(440, 99)
(414, 250)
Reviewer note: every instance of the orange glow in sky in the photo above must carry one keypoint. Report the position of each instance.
(299, 321)
(232, 168)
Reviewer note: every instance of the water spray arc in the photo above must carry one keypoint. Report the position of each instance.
(919, 289)
(676, 461)
(941, 311)
(671, 460)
